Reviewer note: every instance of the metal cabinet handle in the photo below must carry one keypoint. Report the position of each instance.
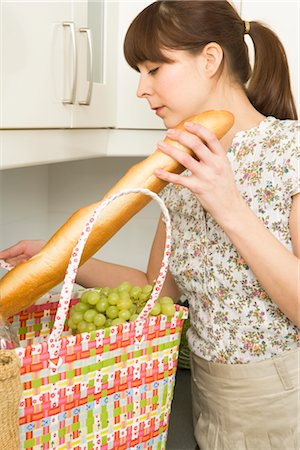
(71, 100)
(87, 101)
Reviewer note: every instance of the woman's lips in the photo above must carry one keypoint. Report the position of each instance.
(159, 111)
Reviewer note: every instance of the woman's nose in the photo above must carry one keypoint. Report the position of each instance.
(144, 89)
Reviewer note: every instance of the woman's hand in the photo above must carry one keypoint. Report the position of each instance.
(22, 251)
(211, 178)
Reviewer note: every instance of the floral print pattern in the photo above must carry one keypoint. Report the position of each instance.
(232, 318)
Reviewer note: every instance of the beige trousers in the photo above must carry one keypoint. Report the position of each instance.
(247, 406)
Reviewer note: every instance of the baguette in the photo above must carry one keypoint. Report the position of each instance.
(28, 281)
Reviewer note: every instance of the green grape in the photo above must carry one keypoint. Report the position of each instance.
(166, 300)
(91, 297)
(147, 289)
(124, 287)
(84, 296)
(117, 321)
(99, 320)
(108, 323)
(81, 327)
(133, 309)
(77, 317)
(135, 292)
(156, 310)
(124, 303)
(124, 314)
(124, 295)
(168, 309)
(90, 327)
(73, 310)
(115, 290)
(133, 317)
(81, 307)
(113, 297)
(139, 308)
(90, 315)
(105, 291)
(112, 312)
(102, 304)
(71, 324)
(144, 297)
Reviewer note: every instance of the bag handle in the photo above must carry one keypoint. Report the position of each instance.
(70, 276)
(5, 265)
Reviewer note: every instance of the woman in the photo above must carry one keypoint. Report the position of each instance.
(235, 214)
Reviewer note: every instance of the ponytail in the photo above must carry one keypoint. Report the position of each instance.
(269, 88)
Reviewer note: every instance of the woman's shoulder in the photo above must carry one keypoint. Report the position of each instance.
(283, 126)
(275, 135)
(282, 136)
(271, 126)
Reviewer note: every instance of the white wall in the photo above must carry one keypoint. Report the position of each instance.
(23, 204)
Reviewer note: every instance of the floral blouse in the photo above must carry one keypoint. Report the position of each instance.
(232, 318)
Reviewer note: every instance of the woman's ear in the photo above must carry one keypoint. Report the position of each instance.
(213, 58)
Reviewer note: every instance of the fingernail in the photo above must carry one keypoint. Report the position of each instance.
(162, 144)
(170, 132)
(189, 124)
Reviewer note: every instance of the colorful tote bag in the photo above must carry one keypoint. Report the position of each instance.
(110, 389)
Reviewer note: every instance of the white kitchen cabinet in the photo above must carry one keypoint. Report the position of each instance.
(97, 63)
(32, 64)
(45, 64)
(37, 71)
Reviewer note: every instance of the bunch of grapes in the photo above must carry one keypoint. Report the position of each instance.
(102, 307)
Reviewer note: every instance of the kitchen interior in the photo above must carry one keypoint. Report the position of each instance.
(71, 126)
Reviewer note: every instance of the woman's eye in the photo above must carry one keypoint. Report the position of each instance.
(153, 71)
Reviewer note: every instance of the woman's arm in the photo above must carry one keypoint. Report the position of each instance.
(276, 269)
(213, 183)
(100, 273)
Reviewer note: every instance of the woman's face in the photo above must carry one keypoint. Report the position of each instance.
(176, 90)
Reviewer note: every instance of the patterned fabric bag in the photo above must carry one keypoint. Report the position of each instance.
(110, 389)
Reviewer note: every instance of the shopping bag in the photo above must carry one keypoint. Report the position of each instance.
(110, 389)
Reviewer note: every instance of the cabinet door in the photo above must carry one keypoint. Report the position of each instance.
(34, 64)
(96, 36)
(283, 18)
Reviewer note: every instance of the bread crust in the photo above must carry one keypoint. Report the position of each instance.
(28, 281)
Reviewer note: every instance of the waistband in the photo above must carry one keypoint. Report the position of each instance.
(288, 360)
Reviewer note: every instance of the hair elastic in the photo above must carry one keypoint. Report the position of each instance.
(247, 26)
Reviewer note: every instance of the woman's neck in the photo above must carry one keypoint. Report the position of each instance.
(245, 115)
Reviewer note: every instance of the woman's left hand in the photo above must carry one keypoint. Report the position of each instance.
(211, 178)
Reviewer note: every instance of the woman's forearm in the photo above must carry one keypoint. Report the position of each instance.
(95, 273)
(276, 269)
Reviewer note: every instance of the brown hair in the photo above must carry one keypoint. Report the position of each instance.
(190, 25)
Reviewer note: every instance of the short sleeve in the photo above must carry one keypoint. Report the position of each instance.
(295, 158)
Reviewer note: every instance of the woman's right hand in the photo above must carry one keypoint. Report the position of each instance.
(22, 251)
